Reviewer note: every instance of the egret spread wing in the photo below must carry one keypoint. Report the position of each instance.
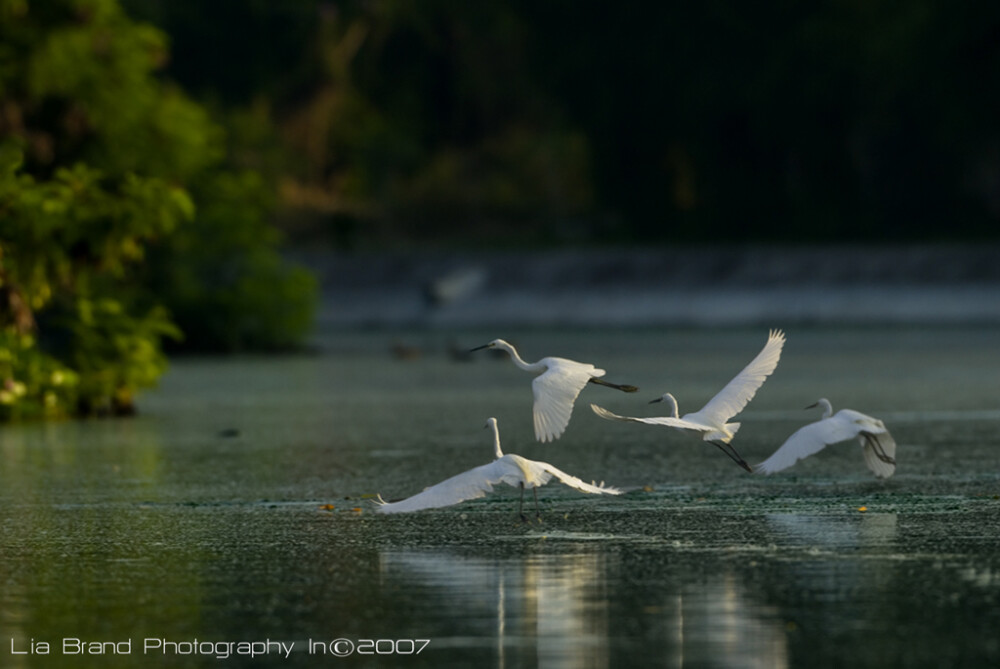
(555, 392)
(669, 421)
(806, 441)
(574, 482)
(734, 397)
(472, 484)
(880, 453)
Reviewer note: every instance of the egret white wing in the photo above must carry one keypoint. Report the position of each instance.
(555, 392)
(808, 440)
(874, 443)
(472, 484)
(669, 421)
(574, 482)
(734, 397)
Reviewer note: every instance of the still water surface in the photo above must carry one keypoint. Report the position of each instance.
(236, 508)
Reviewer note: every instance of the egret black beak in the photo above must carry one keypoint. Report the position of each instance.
(811, 406)
(480, 348)
(658, 399)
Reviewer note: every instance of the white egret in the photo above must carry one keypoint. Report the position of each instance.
(510, 469)
(454, 286)
(556, 388)
(877, 445)
(711, 419)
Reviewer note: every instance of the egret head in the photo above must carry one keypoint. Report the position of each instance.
(491, 422)
(669, 400)
(824, 404)
(666, 397)
(496, 343)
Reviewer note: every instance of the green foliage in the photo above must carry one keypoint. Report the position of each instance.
(114, 353)
(33, 384)
(88, 93)
(108, 175)
(233, 291)
(61, 241)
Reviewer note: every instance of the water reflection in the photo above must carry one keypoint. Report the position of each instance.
(719, 621)
(552, 607)
(579, 609)
(813, 532)
(841, 562)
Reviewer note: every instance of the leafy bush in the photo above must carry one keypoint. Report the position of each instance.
(33, 384)
(63, 241)
(225, 283)
(120, 222)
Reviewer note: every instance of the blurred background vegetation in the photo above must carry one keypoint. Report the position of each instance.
(545, 122)
(156, 154)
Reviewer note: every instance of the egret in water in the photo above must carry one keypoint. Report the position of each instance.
(711, 419)
(510, 469)
(556, 388)
(877, 445)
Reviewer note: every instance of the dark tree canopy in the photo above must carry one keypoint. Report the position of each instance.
(713, 121)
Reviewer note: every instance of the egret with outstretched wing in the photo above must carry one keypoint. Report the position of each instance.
(556, 388)
(711, 419)
(510, 469)
(877, 445)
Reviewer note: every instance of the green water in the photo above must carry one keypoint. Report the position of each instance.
(236, 508)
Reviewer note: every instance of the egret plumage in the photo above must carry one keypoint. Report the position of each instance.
(477, 482)
(555, 388)
(711, 419)
(877, 445)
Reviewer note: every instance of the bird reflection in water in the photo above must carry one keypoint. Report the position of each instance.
(559, 610)
(549, 609)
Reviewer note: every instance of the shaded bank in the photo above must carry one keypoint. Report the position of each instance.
(677, 285)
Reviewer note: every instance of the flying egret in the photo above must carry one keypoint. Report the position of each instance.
(510, 469)
(877, 445)
(556, 389)
(711, 419)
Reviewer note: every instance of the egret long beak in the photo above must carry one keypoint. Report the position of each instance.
(811, 406)
(480, 348)
(658, 399)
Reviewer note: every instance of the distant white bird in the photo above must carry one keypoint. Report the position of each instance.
(510, 469)
(556, 389)
(453, 286)
(877, 445)
(711, 419)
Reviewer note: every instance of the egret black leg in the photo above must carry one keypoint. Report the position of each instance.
(876, 446)
(733, 455)
(520, 506)
(538, 514)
